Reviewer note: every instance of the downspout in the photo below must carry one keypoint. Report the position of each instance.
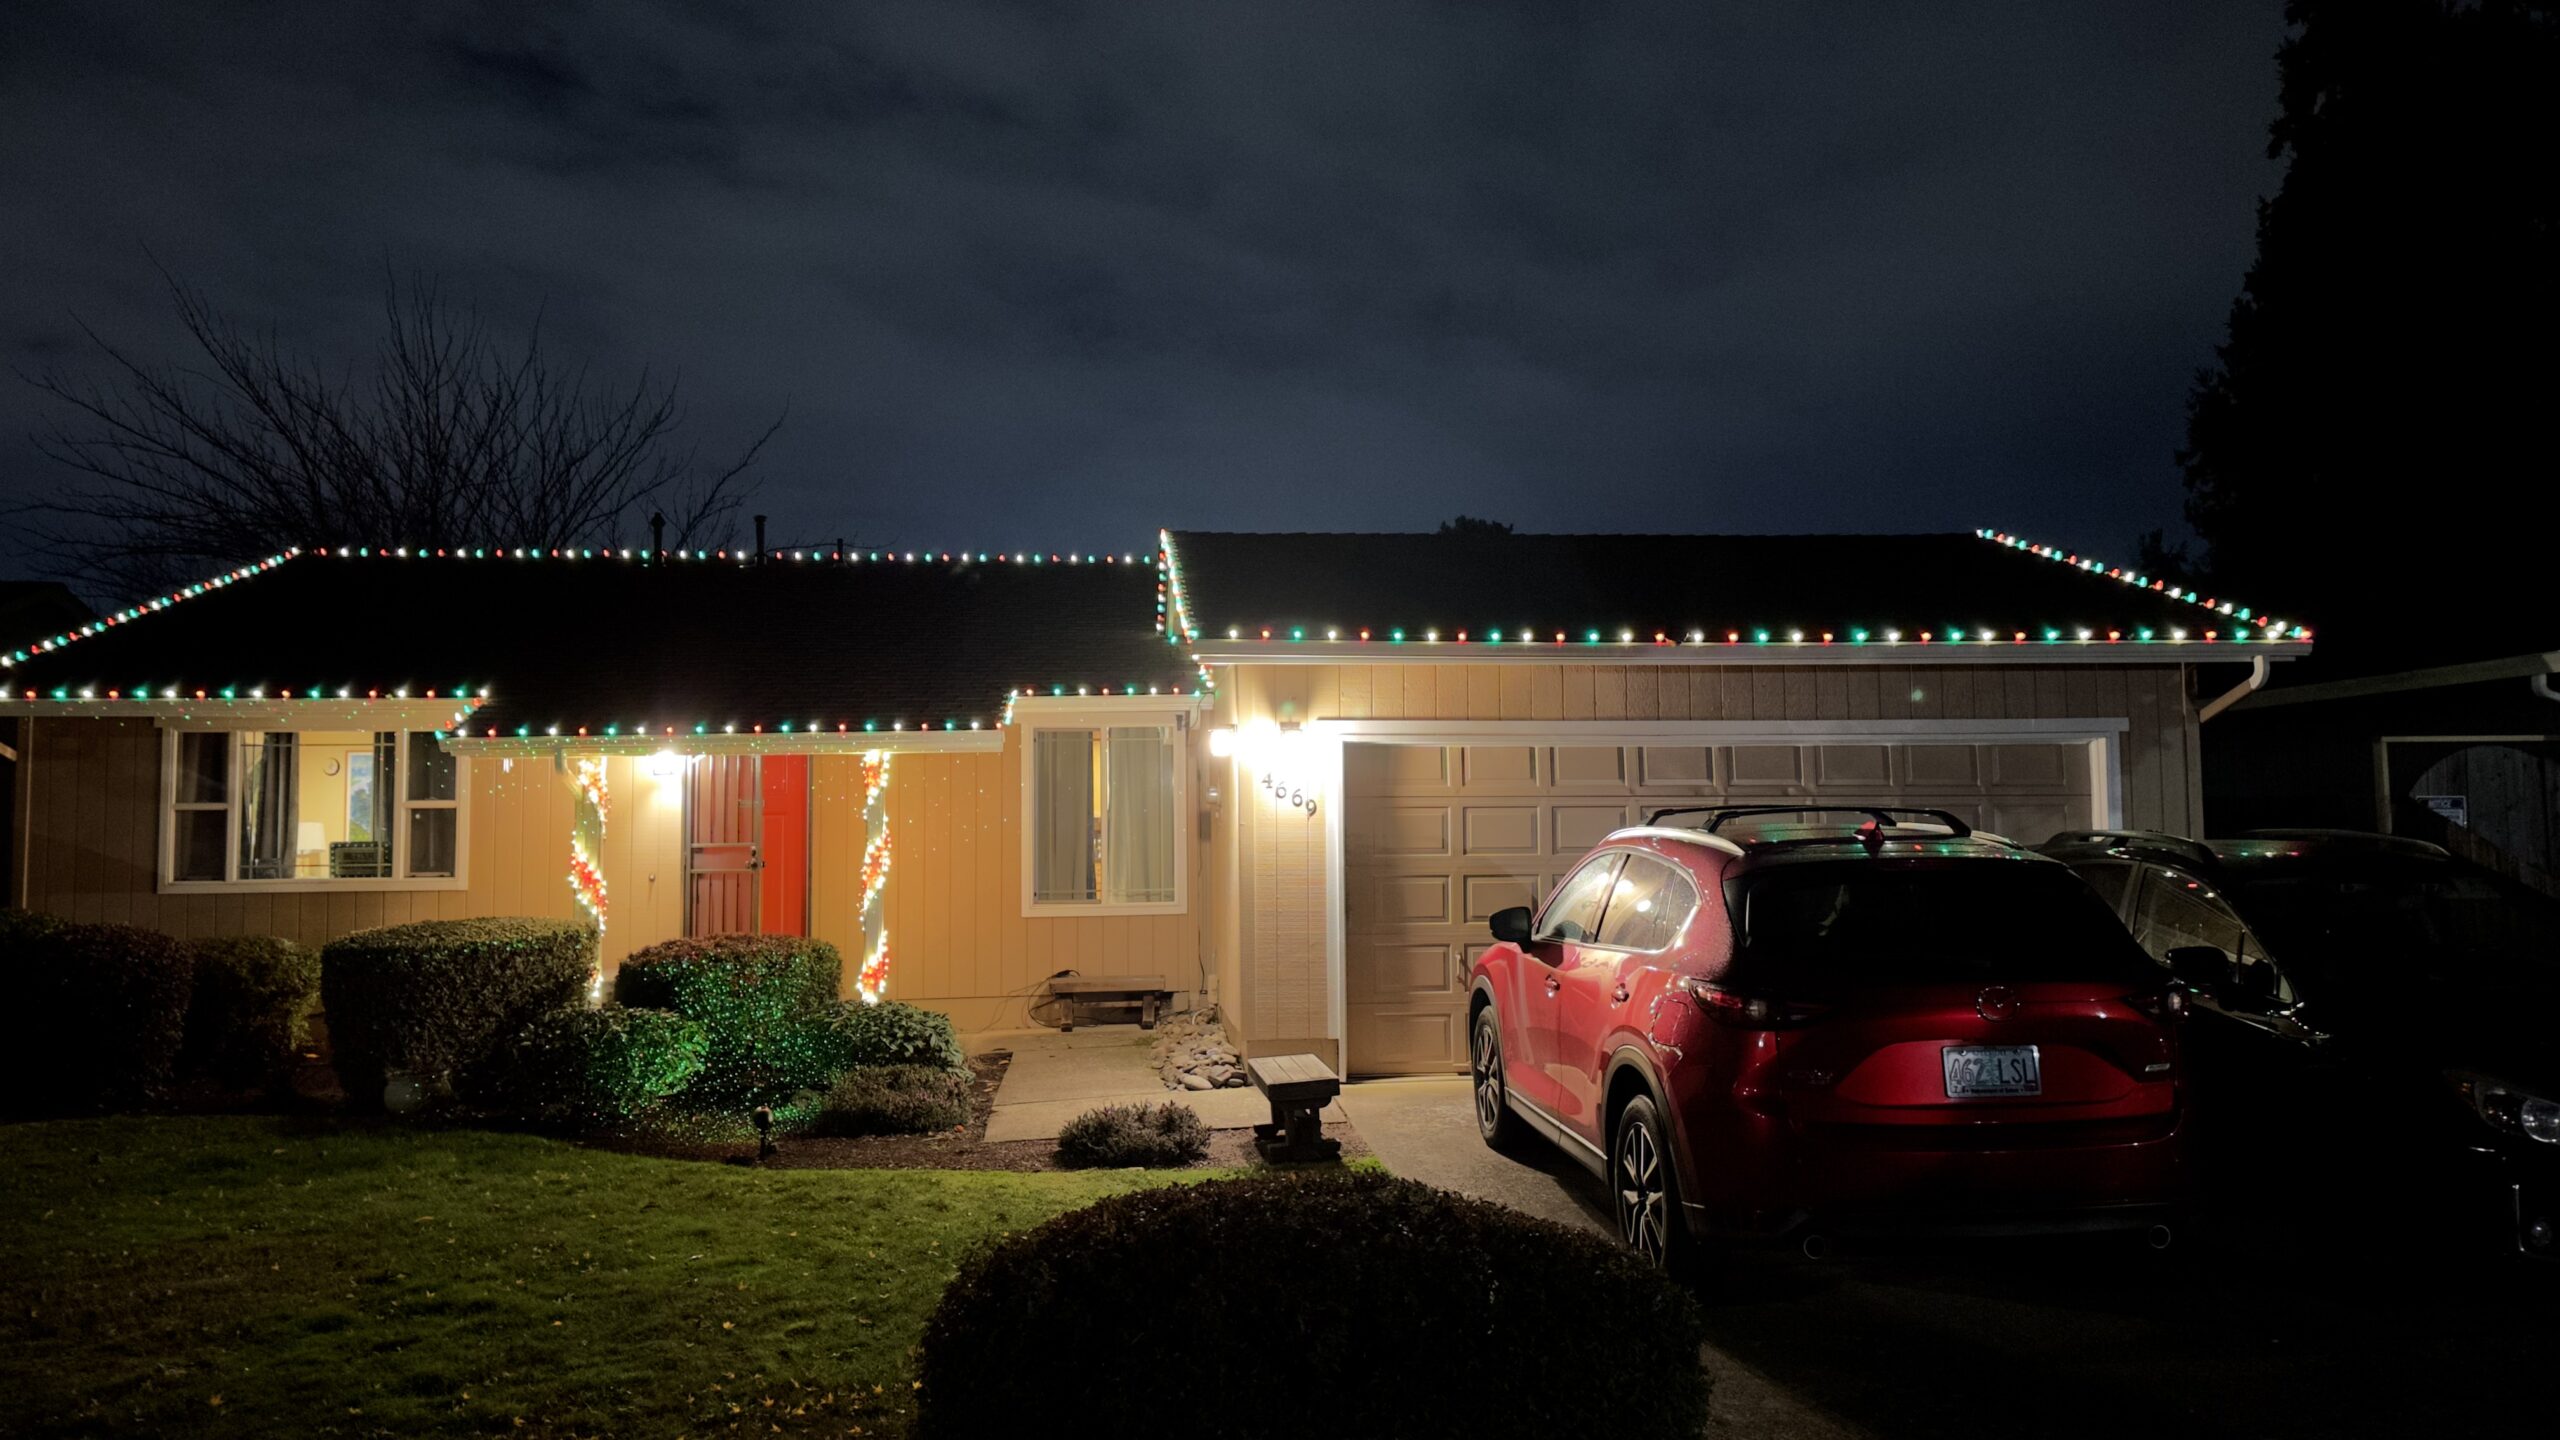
(2542, 686)
(2233, 696)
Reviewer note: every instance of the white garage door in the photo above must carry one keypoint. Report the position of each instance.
(1438, 837)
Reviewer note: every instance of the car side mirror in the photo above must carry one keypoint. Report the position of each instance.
(1511, 926)
(2202, 968)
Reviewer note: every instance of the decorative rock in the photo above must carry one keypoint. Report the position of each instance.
(1196, 1082)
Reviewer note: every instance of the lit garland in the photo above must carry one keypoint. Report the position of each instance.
(1173, 603)
(135, 612)
(2276, 629)
(586, 837)
(872, 979)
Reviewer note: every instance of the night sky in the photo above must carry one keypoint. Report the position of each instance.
(1054, 275)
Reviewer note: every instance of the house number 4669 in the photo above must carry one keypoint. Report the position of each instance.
(1281, 790)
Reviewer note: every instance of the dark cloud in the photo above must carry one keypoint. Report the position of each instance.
(1033, 274)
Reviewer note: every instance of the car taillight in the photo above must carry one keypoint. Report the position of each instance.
(1750, 1012)
(2164, 1004)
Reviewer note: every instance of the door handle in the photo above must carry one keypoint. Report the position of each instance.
(1554, 984)
(1619, 994)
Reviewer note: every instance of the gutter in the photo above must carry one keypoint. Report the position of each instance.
(2538, 668)
(2237, 693)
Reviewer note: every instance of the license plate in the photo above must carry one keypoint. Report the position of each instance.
(1991, 1071)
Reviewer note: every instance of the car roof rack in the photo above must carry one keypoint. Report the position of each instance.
(2194, 851)
(1879, 819)
(2350, 839)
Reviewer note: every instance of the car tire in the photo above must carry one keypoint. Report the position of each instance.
(1496, 1123)
(1644, 1189)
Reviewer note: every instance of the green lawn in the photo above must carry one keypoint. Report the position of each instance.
(263, 1277)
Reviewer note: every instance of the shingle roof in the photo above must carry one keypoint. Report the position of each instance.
(1986, 587)
(691, 644)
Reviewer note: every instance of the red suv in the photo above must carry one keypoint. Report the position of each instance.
(1793, 1021)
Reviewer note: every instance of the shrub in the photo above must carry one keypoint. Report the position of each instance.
(853, 1035)
(252, 1006)
(896, 1100)
(439, 996)
(103, 1014)
(1318, 1256)
(1116, 1135)
(755, 996)
(592, 1069)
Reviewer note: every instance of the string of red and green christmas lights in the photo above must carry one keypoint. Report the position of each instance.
(1175, 621)
(586, 837)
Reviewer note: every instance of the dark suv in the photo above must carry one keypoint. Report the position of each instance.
(1768, 1021)
(2374, 1024)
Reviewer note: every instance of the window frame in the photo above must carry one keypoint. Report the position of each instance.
(1099, 721)
(171, 807)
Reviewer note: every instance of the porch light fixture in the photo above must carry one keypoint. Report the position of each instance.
(1222, 742)
(666, 764)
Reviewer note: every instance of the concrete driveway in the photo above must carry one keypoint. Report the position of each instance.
(2280, 1316)
(1425, 1129)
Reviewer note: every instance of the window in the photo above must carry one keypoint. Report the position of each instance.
(1105, 812)
(1648, 907)
(2111, 879)
(1973, 921)
(1573, 914)
(2177, 909)
(295, 808)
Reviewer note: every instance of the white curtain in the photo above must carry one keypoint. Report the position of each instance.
(1062, 815)
(1138, 833)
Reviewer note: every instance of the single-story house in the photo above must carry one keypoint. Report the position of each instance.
(1292, 773)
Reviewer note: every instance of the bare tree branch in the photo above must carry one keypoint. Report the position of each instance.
(446, 438)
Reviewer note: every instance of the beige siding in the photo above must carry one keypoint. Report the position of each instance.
(1283, 990)
(958, 940)
(91, 848)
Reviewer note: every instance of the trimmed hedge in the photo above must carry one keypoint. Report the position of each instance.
(755, 997)
(102, 1011)
(439, 996)
(587, 1069)
(251, 1012)
(853, 1035)
(1484, 1286)
(1121, 1135)
(895, 1100)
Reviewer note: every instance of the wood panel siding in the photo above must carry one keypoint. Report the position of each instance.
(958, 940)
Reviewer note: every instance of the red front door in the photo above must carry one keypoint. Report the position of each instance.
(747, 850)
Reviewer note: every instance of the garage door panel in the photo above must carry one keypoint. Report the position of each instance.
(1391, 829)
(1500, 767)
(1579, 827)
(1602, 765)
(1676, 765)
(1766, 767)
(1412, 900)
(1405, 974)
(1867, 768)
(1402, 1040)
(2039, 767)
(1500, 830)
(1394, 769)
(1440, 838)
(1943, 765)
(1485, 894)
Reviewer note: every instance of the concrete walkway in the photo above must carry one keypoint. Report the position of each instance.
(1056, 1077)
(1425, 1129)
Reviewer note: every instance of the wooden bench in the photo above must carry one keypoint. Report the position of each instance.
(1145, 994)
(1298, 1087)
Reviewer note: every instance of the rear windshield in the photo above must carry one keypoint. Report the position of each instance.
(1881, 922)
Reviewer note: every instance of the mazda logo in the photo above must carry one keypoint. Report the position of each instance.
(1996, 1002)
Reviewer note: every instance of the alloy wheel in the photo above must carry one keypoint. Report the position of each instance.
(1642, 1205)
(1486, 1055)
